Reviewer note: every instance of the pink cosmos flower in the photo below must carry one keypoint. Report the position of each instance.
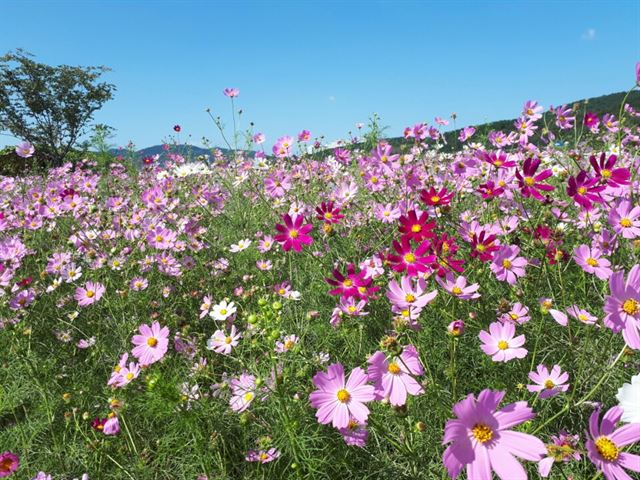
(243, 391)
(563, 448)
(518, 314)
(622, 306)
(457, 286)
(499, 343)
(591, 261)
(581, 315)
(151, 344)
(9, 463)
(125, 375)
(25, 150)
(394, 378)
(605, 447)
(406, 294)
(530, 183)
(262, 456)
(286, 344)
(480, 438)
(564, 117)
(277, 185)
(337, 400)
(625, 219)
(355, 434)
(549, 384)
(293, 234)
(22, 299)
(89, 294)
(222, 343)
(111, 426)
(231, 92)
(507, 265)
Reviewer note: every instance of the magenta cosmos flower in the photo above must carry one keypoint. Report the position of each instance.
(457, 286)
(231, 92)
(410, 260)
(394, 378)
(606, 173)
(499, 343)
(151, 344)
(585, 190)
(89, 294)
(605, 446)
(530, 183)
(622, 306)
(482, 441)
(9, 463)
(507, 265)
(293, 234)
(549, 384)
(336, 400)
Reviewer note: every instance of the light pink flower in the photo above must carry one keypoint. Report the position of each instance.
(499, 343)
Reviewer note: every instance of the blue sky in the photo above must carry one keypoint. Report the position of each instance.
(324, 66)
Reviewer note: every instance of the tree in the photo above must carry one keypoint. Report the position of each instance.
(49, 106)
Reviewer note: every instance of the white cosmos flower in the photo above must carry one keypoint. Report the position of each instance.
(222, 310)
(629, 398)
(240, 246)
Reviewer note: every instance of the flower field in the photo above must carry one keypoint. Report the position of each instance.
(374, 310)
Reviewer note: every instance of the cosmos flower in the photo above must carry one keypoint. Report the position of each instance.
(548, 384)
(457, 286)
(605, 447)
(530, 183)
(89, 294)
(9, 463)
(336, 400)
(622, 306)
(591, 261)
(563, 448)
(223, 310)
(394, 378)
(262, 456)
(629, 397)
(410, 260)
(585, 190)
(507, 265)
(481, 438)
(25, 150)
(243, 392)
(293, 234)
(151, 344)
(355, 434)
(222, 343)
(625, 219)
(499, 343)
(231, 92)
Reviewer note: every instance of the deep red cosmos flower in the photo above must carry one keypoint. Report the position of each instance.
(410, 260)
(415, 226)
(606, 173)
(435, 197)
(353, 284)
(328, 213)
(530, 183)
(177, 128)
(293, 234)
(585, 190)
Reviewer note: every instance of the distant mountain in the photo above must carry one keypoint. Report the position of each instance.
(189, 152)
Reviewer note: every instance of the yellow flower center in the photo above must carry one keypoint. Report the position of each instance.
(410, 258)
(351, 309)
(480, 248)
(263, 456)
(117, 368)
(328, 215)
(503, 345)
(497, 163)
(228, 340)
(506, 263)
(416, 228)
(625, 222)
(347, 283)
(456, 290)
(582, 317)
(293, 233)
(549, 384)
(393, 368)
(582, 190)
(343, 395)
(435, 199)
(482, 432)
(607, 449)
(373, 179)
(605, 173)
(592, 261)
(529, 181)
(631, 306)
(90, 293)
(289, 344)
(223, 311)
(248, 396)
(513, 316)
(409, 298)
(129, 376)
(152, 342)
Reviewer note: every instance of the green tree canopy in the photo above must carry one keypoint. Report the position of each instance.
(49, 106)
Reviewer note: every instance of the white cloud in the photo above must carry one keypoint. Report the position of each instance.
(589, 34)
(332, 98)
